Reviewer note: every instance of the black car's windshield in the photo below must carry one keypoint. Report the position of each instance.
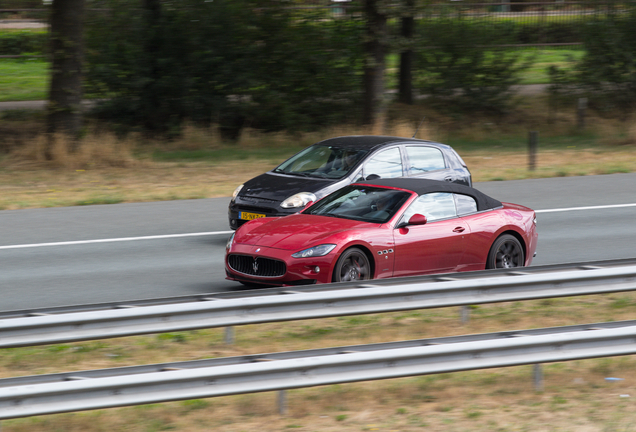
(322, 162)
(364, 203)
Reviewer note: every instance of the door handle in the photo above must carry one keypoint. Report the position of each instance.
(459, 229)
(448, 179)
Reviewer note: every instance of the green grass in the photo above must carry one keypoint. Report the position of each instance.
(23, 79)
(538, 72)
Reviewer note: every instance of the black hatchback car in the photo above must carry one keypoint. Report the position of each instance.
(331, 164)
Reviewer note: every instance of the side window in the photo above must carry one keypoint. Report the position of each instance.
(386, 164)
(465, 204)
(434, 206)
(423, 159)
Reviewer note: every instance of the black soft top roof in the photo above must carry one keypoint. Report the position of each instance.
(424, 186)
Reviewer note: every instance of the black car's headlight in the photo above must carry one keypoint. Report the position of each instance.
(301, 199)
(236, 192)
(315, 251)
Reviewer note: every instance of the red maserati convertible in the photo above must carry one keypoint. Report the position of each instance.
(383, 228)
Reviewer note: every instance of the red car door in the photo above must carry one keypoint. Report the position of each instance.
(435, 247)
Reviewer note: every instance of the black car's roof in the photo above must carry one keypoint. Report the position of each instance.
(424, 186)
(372, 141)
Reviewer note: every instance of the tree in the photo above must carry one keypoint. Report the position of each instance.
(374, 61)
(65, 91)
(406, 56)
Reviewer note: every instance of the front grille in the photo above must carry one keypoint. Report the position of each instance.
(256, 266)
(257, 199)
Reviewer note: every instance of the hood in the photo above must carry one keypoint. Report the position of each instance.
(281, 186)
(295, 232)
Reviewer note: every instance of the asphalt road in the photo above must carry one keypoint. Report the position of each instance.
(74, 255)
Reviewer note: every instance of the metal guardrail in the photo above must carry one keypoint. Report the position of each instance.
(333, 300)
(49, 394)
(243, 293)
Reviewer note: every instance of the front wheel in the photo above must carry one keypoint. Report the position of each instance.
(506, 252)
(353, 265)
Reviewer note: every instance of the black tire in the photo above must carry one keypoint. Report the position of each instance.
(352, 265)
(506, 252)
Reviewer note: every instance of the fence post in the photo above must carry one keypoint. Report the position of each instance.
(538, 377)
(581, 107)
(229, 335)
(532, 150)
(282, 402)
(465, 314)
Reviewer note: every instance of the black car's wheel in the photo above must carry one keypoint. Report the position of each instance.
(506, 252)
(353, 265)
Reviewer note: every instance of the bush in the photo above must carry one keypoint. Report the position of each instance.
(224, 62)
(460, 67)
(19, 42)
(608, 69)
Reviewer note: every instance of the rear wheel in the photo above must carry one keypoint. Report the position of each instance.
(506, 252)
(353, 265)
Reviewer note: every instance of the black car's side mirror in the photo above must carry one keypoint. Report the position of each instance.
(372, 177)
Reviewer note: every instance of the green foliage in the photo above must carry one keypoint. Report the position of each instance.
(568, 31)
(20, 42)
(459, 65)
(608, 69)
(222, 62)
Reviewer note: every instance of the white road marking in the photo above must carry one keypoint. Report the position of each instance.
(79, 242)
(585, 208)
(156, 237)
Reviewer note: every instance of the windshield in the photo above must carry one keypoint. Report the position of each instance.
(364, 203)
(322, 161)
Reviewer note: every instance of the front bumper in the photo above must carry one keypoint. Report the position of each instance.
(235, 210)
(298, 271)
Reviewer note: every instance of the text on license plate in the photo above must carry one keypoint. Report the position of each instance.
(250, 216)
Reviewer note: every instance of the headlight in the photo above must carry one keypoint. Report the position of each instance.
(236, 192)
(299, 200)
(228, 245)
(315, 251)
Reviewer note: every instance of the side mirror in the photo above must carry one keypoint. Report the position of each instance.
(372, 177)
(417, 219)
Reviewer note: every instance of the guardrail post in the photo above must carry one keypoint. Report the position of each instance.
(537, 372)
(465, 314)
(282, 402)
(229, 335)
(532, 150)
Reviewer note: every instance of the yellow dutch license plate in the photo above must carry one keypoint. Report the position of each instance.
(250, 216)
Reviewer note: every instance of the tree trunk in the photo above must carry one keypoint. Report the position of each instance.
(151, 99)
(67, 50)
(406, 57)
(375, 51)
